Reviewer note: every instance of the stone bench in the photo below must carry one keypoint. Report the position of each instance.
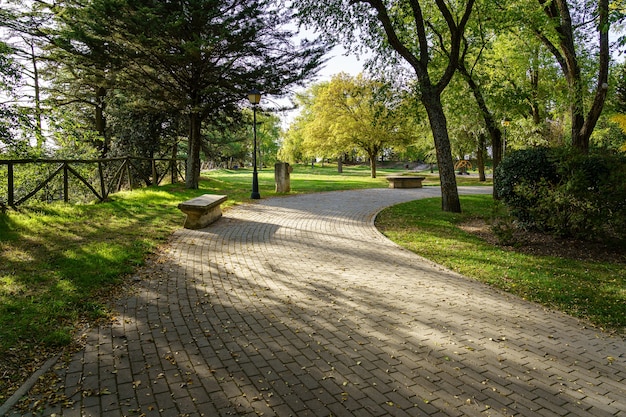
(202, 211)
(405, 181)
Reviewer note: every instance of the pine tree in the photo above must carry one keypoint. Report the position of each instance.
(196, 57)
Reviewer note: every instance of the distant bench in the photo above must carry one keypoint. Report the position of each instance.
(405, 181)
(202, 211)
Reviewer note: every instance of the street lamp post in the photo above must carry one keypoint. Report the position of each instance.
(255, 98)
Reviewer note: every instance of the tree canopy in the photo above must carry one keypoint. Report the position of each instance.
(195, 57)
(9, 79)
(171, 77)
(354, 113)
(415, 35)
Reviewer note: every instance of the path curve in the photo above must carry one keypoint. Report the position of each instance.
(298, 306)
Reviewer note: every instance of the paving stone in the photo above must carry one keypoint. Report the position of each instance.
(278, 304)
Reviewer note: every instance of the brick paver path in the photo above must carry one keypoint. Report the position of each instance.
(298, 306)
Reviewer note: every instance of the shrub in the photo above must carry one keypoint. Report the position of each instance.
(504, 226)
(566, 193)
(518, 178)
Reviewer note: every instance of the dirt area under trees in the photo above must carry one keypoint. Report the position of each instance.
(542, 244)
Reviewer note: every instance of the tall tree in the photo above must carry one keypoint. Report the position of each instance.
(24, 23)
(268, 137)
(356, 113)
(85, 64)
(467, 123)
(9, 116)
(565, 49)
(291, 149)
(478, 38)
(199, 57)
(503, 66)
(403, 29)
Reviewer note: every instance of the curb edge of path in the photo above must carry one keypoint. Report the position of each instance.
(26, 386)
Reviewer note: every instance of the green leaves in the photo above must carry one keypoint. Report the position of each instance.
(353, 113)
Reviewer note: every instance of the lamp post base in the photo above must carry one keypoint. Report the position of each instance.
(255, 185)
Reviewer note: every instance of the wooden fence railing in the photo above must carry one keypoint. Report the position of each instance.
(100, 176)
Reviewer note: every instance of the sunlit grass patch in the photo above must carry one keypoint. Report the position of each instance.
(587, 289)
(10, 287)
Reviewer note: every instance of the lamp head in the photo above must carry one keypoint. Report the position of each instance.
(254, 96)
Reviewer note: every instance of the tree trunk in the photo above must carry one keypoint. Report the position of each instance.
(192, 176)
(449, 194)
(578, 118)
(101, 93)
(565, 54)
(480, 157)
(173, 164)
(534, 88)
(372, 164)
(492, 127)
(37, 89)
(603, 73)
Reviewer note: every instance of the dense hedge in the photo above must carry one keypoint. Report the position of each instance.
(566, 193)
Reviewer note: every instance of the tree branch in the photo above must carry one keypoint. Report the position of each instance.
(553, 50)
(421, 31)
(456, 35)
(603, 71)
(394, 40)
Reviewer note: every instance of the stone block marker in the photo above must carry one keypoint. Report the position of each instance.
(281, 177)
(405, 181)
(202, 211)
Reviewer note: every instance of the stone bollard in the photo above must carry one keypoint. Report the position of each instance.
(281, 176)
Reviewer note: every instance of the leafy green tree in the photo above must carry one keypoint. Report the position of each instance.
(479, 38)
(292, 149)
(140, 131)
(228, 142)
(196, 57)
(510, 75)
(619, 97)
(403, 32)
(291, 146)
(268, 137)
(356, 113)
(9, 117)
(23, 23)
(467, 123)
(608, 137)
(559, 35)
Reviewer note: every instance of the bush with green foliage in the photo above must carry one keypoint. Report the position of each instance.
(566, 193)
(527, 168)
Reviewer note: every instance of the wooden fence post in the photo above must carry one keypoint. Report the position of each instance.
(11, 196)
(66, 185)
(103, 191)
(130, 179)
(121, 175)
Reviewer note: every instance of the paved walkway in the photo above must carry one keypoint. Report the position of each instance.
(297, 306)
